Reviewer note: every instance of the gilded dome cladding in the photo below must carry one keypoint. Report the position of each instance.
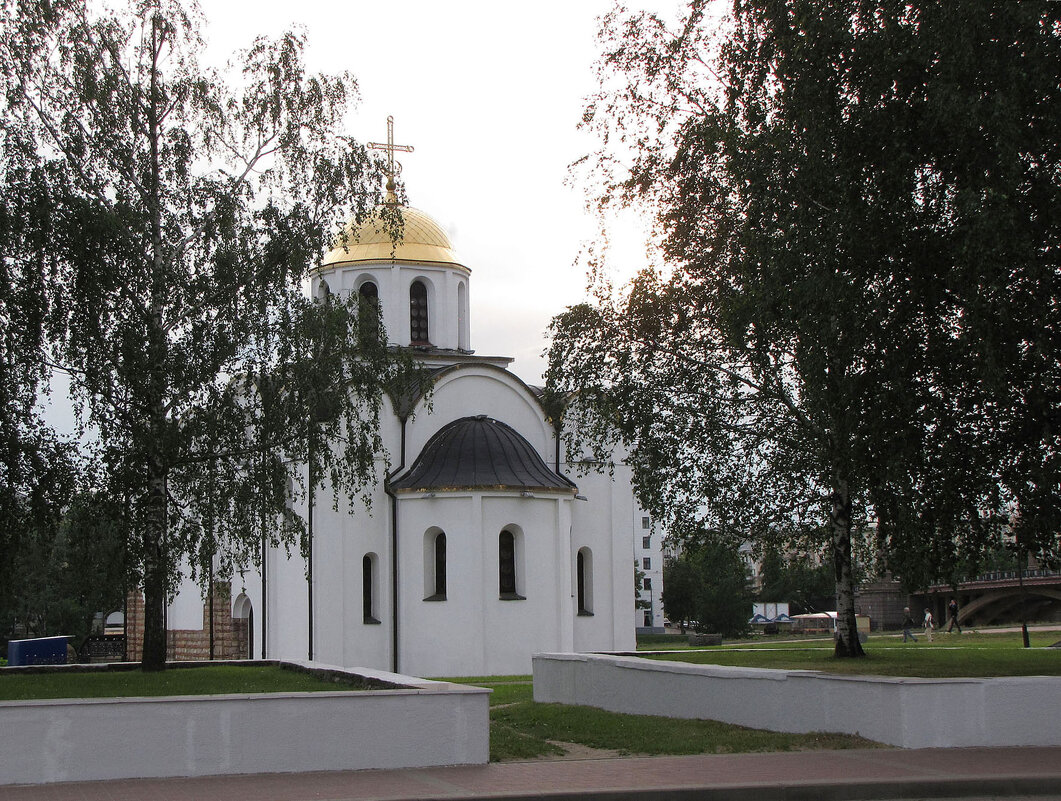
(422, 239)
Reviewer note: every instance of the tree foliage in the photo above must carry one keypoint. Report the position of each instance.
(679, 591)
(177, 210)
(36, 470)
(639, 585)
(65, 574)
(45, 474)
(708, 584)
(804, 583)
(859, 319)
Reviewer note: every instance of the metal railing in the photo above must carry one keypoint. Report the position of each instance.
(1003, 575)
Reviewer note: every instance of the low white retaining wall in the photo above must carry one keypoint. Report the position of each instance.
(430, 723)
(911, 713)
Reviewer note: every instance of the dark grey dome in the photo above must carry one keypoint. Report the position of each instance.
(480, 453)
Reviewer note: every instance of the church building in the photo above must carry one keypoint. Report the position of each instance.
(482, 545)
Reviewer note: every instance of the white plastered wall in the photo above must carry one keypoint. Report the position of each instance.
(474, 631)
(186, 609)
(474, 390)
(601, 523)
(393, 280)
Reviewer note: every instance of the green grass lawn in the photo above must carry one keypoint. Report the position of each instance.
(680, 642)
(207, 680)
(948, 656)
(522, 729)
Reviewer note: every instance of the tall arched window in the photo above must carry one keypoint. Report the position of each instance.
(506, 566)
(584, 581)
(369, 292)
(435, 565)
(418, 328)
(462, 316)
(368, 310)
(440, 564)
(324, 292)
(368, 588)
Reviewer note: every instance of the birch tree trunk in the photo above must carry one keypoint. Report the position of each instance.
(155, 555)
(847, 643)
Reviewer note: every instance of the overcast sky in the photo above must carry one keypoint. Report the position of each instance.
(489, 94)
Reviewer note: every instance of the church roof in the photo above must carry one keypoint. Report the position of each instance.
(421, 239)
(480, 453)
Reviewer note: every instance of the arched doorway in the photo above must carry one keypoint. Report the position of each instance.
(243, 626)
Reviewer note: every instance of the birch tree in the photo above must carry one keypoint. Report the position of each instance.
(184, 207)
(853, 333)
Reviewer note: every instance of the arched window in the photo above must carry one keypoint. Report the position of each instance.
(435, 566)
(440, 564)
(584, 581)
(418, 329)
(368, 588)
(508, 585)
(462, 316)
(324, 292)
(368, 310)
(369, 292)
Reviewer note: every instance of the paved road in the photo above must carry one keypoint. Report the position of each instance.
(970, 773)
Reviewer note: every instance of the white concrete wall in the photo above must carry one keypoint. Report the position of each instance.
(393, 280)
(186, 609)
(473, 631)
(474, 390)
(602, 523)
(287, 607)
(907, 712)
(66, 740)
(341, 541)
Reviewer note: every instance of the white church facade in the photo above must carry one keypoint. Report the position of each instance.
(481, 545)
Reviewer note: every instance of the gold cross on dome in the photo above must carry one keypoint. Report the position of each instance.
(390, 147)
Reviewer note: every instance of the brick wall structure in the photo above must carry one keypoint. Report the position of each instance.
(134, 626)
(231, 635)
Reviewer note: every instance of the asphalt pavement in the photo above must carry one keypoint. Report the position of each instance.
(886, 773)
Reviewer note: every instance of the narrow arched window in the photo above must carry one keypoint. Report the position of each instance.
(368, 589)
(418, 328)
(440, 566)
(368, 310)
(324, 292)
(369, 293)
(462, 316)
(434, 564)
(506, 563)
(584, 581)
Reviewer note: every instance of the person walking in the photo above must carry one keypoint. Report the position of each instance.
(952, 613)
(908, 623)
(929, 624)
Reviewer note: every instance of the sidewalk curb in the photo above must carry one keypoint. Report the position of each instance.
(1001, 787)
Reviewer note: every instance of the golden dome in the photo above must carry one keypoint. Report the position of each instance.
(422, 240)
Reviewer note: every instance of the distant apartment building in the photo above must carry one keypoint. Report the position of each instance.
(648, 564)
